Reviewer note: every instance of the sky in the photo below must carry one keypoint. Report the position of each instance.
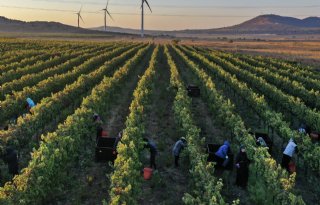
(166, 14)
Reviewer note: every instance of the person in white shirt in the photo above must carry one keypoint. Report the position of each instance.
(288, 153)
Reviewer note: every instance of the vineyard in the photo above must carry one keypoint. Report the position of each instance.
(140, 89)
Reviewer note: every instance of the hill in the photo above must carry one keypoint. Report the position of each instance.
(268, 24)
(13, 26)
(264, 24)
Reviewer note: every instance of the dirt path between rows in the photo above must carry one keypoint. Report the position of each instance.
(252, 121)
(91, 184)
(214, 133)
(168, 184)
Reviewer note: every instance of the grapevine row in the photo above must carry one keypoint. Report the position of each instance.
(285, 66)
(25, 62)
(14, 105)
(309, 83)
(16, 57)
(294, 88)
(201, 172)
(55, 108)
(126, 180)
(46, 62)
(47, 173)
(269, 176)
(260, 106)
(34, 78)
(289, 103)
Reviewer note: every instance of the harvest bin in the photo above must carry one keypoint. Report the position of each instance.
(105, 150)
(213, 148)
(193, 91)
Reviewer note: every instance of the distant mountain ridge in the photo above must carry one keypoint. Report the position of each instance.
(268, 24)
(10, 25)
(264, 24)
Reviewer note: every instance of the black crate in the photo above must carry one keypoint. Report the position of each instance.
(193, 91)
(212, 149)
(105, 150)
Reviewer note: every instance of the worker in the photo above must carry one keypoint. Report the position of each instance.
(178, 147)
(242, 166)
(288, 153)
(261, 142)
(98, 122)
(118, 139)
(153, 152)
(221, 156)
(302, 129)
(30, 104)
(11, 157)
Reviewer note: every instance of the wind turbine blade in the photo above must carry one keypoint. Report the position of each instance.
(148, 5)
(81, 18)
(107, 4)
(110, 15)
(80, 9)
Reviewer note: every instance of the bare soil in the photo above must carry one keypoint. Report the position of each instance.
(168, 184)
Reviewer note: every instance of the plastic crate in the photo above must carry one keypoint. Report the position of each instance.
(105, 150)
(193, 91)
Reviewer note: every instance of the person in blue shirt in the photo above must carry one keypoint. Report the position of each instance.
(30, 104)
(153, 152)
(178, 147)
(222, 154)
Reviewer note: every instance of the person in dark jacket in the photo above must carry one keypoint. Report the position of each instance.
(116, 142)
(153, 152)
(242, 166)
(97, 120)
(178, 147)
(222, 154)
(11, 158)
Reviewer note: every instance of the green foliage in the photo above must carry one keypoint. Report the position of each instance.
(205, 188)
(47, 172)
(46, 111)
(230, 75)
(273, 177)
(126, 180)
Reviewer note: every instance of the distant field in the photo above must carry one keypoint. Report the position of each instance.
(299, 50)
(140, 88)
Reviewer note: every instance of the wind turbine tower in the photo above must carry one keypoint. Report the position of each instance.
(79, 17)
(142, 15)
(105, 15)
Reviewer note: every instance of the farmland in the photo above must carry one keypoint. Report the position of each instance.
(140, 88)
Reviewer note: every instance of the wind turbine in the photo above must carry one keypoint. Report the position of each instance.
(142, 16)
(79, 17)
(105, 15)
